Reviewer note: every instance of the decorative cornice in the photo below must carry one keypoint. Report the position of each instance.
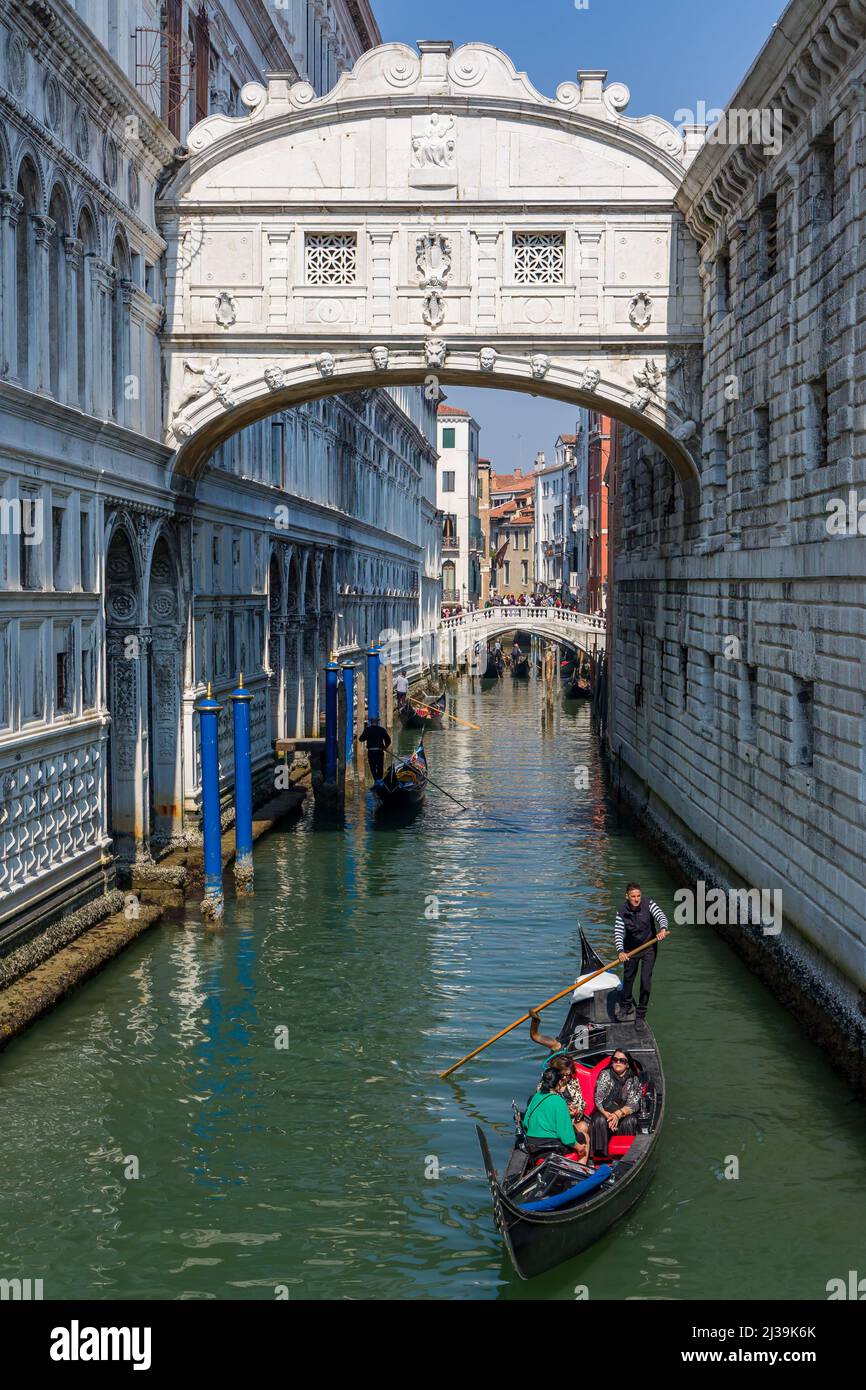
(809, 50)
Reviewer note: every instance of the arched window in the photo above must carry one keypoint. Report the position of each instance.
(28, 190)
(449, 579)
(57, 334)
(87, 236)
(119, 329)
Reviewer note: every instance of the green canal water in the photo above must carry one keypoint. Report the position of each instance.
(340, 1166)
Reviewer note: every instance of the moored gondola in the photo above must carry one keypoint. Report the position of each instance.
(548, 1207)
(579, 688)
(405, 782)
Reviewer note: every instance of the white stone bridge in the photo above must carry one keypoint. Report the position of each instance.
(582, 631)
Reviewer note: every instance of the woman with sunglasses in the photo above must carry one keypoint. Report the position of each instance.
(617, 1098)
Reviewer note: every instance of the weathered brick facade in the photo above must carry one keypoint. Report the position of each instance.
(738, 672)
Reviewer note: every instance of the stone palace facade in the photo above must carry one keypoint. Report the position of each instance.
(313, 531)
(738, 691)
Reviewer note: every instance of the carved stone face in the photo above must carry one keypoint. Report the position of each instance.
(487, 359)
(275, 377)
(591, 378)
(326, 363)
(434, 351)
(540, 364)
(380, 358)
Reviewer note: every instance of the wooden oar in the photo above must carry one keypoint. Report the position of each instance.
(585, 980)
(461, 721)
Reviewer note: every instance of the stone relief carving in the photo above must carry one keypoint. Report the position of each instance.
(436, 144)
(326, 363)
(590, 379)
(433, 261)
(197, 381)
(226, 311)
(380, 358)
(640, 310)
(435, 351)
(487, 359)
(540, 364)
(648, 378)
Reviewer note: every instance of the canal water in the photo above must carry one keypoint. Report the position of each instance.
(274, 1084)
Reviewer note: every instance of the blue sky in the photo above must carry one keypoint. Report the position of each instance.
(670, 55)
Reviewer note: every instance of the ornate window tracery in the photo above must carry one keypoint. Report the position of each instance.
(539, 258)
(332, 258)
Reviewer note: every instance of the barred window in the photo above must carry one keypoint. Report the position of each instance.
(331, 259)
(539, 258)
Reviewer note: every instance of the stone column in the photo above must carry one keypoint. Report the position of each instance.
(72, 248)
(11, 205)
(43, 232)
(122, 409)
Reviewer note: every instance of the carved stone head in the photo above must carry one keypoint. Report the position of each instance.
(380, 358)
(434, 352)
(590, 379)
(540, 364)
(275, 378)
(487, 359)
(326, 363)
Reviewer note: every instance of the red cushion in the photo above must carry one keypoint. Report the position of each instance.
(619, 1144)
(587, 1076)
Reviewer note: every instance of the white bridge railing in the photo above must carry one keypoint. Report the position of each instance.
(558, 624)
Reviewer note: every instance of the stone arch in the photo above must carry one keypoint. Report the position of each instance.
(476, 153)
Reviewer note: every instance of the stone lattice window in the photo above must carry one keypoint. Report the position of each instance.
(332, 259)
(539, 258)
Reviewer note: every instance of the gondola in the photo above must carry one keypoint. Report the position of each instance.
(405, 781)
(520, 669)
(578, 688)
(549, 1211)
(415, 715)
(495, 666)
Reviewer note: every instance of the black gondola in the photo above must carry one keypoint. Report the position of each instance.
(404, 783)
(495, 666)
(418, 715)
(520, 667)
(549, 1211)
(578, 688)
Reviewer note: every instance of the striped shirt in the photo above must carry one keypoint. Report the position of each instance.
(658, 917)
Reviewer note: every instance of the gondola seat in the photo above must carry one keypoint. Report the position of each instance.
(587, 1076)
(619, 1144)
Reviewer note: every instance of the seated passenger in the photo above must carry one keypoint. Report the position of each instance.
(617, 1097)
(571, 1091)
(547, 1116)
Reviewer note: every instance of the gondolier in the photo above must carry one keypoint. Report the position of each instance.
(377, 739)
(401, 687)
(637, 921)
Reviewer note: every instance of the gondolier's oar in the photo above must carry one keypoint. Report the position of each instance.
(585, 980)
(460, 721)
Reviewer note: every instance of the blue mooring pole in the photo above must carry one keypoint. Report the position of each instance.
(332, 671)
(373, 683)
(212, 904)
(349, 686)
(241, 700)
